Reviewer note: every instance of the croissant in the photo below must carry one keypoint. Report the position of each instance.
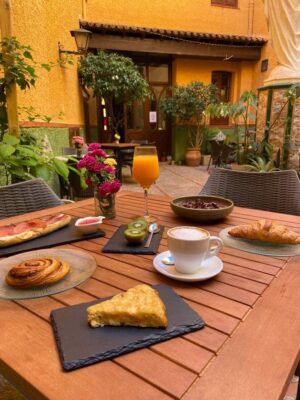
(266, 231)
(37, 272)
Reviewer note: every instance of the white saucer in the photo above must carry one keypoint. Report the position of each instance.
(211, 267)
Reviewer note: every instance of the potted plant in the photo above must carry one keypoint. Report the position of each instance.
(242, 111)
(116, 79)
(187, 107)
(259, 164)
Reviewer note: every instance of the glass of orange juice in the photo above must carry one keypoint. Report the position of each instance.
(145, 169)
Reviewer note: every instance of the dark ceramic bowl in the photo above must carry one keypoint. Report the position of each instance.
(205, 215)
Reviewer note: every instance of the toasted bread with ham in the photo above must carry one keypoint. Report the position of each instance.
(23, 231)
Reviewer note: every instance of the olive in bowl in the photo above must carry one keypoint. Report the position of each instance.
(202, 208)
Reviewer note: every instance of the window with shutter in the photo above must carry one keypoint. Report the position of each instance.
(226, 3)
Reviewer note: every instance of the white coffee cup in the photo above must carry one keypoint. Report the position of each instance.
(190, 246)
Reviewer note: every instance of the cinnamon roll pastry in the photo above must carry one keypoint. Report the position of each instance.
(37, 272)
(266, 231)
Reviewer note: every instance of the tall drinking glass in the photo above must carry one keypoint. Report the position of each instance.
(145, 169)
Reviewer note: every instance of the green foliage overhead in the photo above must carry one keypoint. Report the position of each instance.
(188, 105)
(111, 75)
(116, 79)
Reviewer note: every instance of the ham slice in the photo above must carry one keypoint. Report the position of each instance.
(33, 224)
(7, 230)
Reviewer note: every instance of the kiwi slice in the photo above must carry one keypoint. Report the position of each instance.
(139, 223)
(134, 235)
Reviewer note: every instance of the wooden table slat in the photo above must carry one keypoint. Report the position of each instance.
(248, 349)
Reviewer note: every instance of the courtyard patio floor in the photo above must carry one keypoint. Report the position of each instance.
(174, 180)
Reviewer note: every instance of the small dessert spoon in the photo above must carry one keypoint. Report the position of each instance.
(168, 260)
(153, 228)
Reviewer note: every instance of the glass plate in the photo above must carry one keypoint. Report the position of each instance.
(82, 266)
(258, 247)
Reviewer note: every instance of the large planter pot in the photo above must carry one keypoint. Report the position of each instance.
(192, 157)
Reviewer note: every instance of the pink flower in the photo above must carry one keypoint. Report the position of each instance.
(109, 169)
(94, 146)
(98, 152)
(109, 187)
(78, 141)
(98, 172)
(98, 167)
(87, 162)
(88, 181)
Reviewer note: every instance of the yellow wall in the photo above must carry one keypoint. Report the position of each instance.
(42, 23)
(190, 15)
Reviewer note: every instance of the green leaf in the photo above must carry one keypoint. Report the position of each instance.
(6, 150)
(46, 67)
(42, 171)
(27, 54)
(30, 70)
(28, 162)
(10, 139)
(61, 168)
(25, 151)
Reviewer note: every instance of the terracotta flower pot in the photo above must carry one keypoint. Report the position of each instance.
(192, 157)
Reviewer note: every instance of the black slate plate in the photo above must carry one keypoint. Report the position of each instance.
(80, 345)
(119, 244)
(65, 235)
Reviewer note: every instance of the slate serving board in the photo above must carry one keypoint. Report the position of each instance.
(119, 244)
(80, 345)
(65, 235)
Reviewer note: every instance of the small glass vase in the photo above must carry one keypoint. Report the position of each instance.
(105, 205)
(78, 152)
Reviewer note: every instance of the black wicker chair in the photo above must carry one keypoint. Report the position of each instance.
(28, 196)
(277, 191)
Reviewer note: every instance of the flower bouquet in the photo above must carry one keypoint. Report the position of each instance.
(79, 143)
(99, 171)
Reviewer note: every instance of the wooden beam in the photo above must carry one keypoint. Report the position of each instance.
(179, 48)
(11, 95)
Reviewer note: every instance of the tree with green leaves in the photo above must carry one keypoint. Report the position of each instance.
(23, 158)
(114, 78)
(187, 106)
(16, 66)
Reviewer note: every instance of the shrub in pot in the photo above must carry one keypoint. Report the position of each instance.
(187, 107)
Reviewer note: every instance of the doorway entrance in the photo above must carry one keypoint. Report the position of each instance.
(222, 80)
(144, 120)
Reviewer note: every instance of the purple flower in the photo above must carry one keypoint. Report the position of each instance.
(94, 146)
(109, 187)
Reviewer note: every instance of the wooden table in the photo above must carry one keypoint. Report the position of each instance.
(248, 350)
(117, 149)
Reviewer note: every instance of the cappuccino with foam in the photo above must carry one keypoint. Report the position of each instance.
(190, 246)
(188, 233)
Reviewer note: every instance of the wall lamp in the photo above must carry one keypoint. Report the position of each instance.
(82, 37)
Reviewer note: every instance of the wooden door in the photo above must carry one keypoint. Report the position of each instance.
(144, 120)
(222, 80)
